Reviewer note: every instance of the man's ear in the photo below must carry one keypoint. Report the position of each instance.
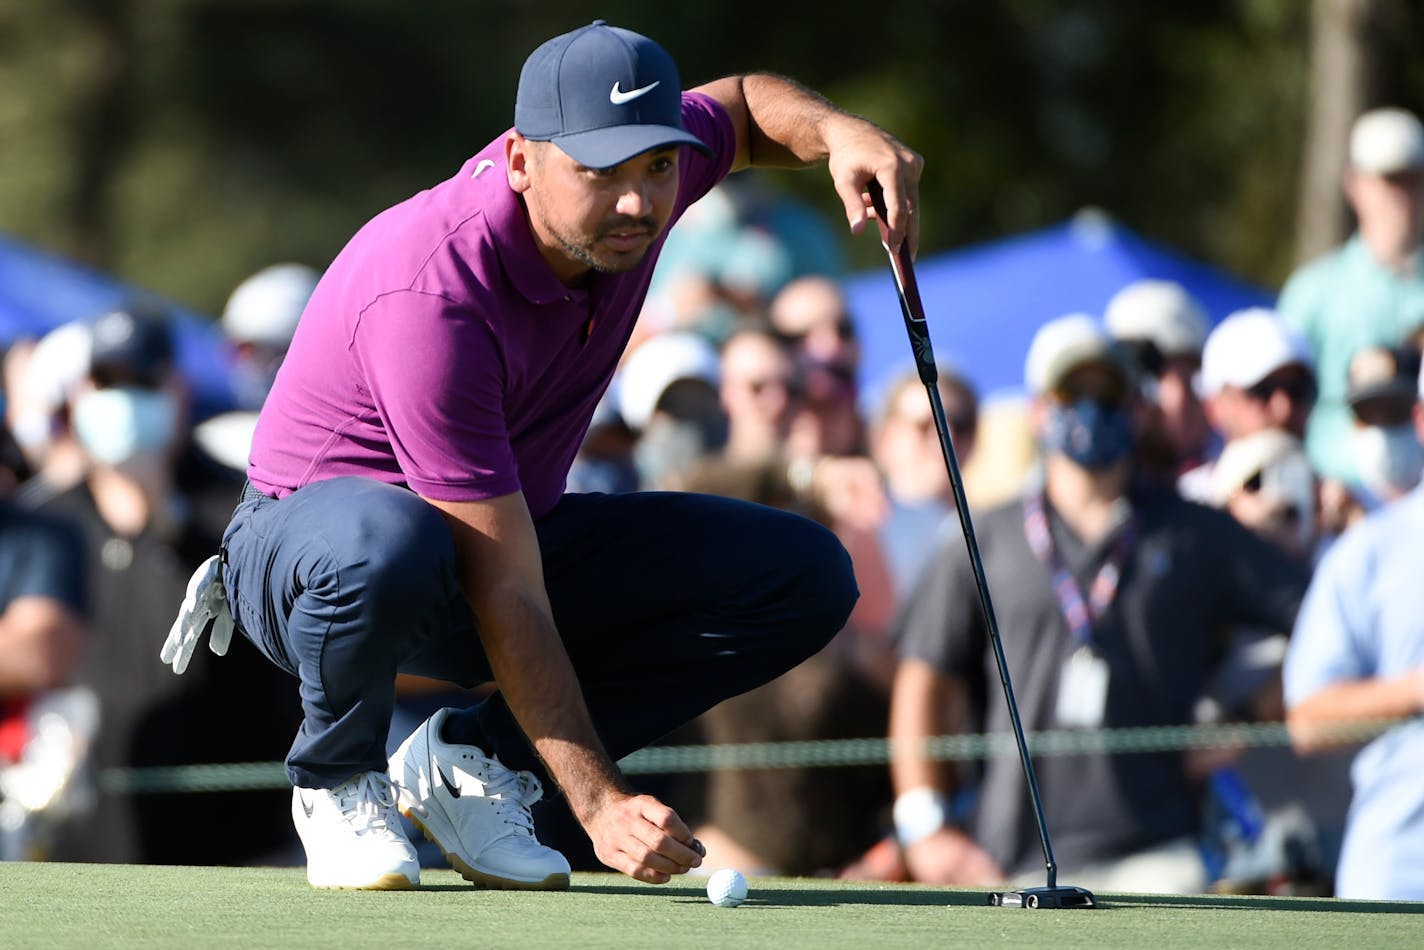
(518, 159)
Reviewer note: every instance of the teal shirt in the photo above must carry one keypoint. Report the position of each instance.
(1343, 302)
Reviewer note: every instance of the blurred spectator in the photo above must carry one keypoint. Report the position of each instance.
(1164, 328)
(906, 448)
(1119, 589)
(761, 393)
(730, 255)
(260, 319)
(141, 542)
(1381, 394)
(40, 377)
(1265, 481)
(604, 462)
(1370, 292)
(1256, 374)
(42, 636)
(1357, 653)
(667, 395)
(810, 314)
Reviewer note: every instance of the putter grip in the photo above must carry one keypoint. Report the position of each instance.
(903, 269)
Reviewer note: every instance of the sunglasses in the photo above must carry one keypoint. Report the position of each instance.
(1296, 388)
(845, 332)
(789, 386)
(959, 425)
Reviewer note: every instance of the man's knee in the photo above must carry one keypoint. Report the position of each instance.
(826, 587)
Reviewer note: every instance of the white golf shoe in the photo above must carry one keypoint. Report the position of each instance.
(353, 837)
(476, 810)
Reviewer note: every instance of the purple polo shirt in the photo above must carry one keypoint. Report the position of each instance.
(439, 352)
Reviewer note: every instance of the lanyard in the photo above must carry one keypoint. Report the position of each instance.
(1080, 612)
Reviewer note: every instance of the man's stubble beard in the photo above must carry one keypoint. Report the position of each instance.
(585, 254)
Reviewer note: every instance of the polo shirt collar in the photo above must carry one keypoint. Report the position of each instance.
(514, 242)
(1360, 255)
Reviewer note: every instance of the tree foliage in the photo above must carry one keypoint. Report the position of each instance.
(185, 143)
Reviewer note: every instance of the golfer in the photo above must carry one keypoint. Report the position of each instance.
(405, 508)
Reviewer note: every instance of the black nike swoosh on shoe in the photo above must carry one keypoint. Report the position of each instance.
(306, 806)
(453, 788)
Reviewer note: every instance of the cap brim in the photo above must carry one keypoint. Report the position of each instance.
(1087, 353)
(1400, 389)
(604, 148)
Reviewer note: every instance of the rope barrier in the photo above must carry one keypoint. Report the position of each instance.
(263, 776)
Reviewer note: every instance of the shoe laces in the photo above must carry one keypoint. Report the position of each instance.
(516, 791)
(367, 802)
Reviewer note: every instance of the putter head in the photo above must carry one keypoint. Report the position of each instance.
(1061, 897)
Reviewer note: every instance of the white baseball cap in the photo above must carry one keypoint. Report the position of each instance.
(57, 364)
(658, 363)
(266, 306)
(1385, 141)
(1062, 345)
(1248, 346)
(1161, 312)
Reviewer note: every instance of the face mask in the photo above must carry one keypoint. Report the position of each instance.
(114, 425)
(1388, 461)
(1094, 436)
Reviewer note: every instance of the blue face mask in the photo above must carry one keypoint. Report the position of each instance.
(1094, 436)
(114, 425)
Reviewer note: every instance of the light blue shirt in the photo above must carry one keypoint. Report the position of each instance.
(1341, 303)
(1364, 617)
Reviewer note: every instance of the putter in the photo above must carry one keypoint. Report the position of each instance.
(1053, 895)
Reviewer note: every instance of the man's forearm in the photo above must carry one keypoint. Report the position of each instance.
(786, 122)
(40, 640)
(1362, 700)
(920, 708)
(538, 682)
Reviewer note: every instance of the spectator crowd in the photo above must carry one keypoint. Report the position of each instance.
(1205, 522)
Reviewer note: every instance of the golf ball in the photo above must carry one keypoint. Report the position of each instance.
(727, 887)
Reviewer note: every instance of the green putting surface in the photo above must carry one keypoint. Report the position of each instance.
(60, 905)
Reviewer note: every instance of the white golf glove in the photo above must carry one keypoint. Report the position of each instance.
(204, 609)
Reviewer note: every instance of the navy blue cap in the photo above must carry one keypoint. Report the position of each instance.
(603, 95)
(130, 346)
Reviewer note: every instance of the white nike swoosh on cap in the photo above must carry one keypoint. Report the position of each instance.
(617, 96)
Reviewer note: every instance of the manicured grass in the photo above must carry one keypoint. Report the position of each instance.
(61, 905)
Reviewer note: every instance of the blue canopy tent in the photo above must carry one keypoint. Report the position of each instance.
(39, 292)
(984, 303)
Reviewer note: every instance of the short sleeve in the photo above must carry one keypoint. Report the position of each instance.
(705, 118)
(436, 375)
(1327, 645)
(936, 624)
(48, 561)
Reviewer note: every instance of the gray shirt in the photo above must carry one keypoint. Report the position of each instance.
(1193, 573)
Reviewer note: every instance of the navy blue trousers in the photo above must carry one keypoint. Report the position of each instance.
(667, 603)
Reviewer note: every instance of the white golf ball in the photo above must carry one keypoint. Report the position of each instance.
(727, 887)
